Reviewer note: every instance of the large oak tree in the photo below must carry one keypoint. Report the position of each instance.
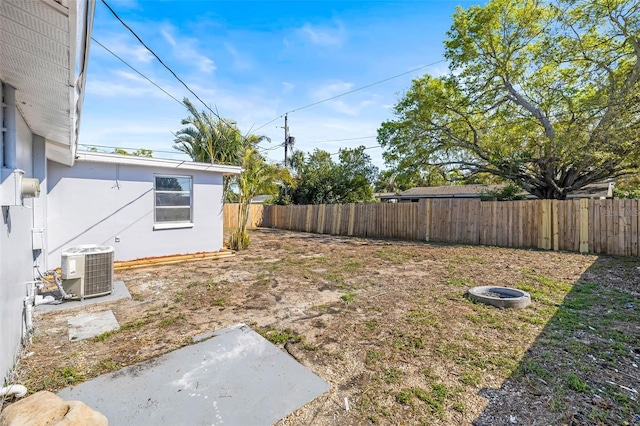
(545, 94)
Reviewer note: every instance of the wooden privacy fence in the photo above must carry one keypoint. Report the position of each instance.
(598, 226)
(230, 215)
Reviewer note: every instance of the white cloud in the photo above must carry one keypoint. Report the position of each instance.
(333, 88)
(168, 37)
(240, 60)
(344, 105)
(352, 109)
(439, 70)
(287, 87)
(323, 36)
(127, 84)
(124, 48)
(185, 49)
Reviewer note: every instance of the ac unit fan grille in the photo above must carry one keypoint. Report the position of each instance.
(98, 273)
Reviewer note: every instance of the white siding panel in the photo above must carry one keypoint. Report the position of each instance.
(93, 203)
(16, 258)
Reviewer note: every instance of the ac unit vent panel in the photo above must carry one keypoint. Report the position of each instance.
(87, 271)
(98, 274)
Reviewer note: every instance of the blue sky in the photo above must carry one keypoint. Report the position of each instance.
(253, 61)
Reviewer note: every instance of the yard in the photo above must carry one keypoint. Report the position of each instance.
(388, 325)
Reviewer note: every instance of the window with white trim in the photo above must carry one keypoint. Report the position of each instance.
(173, 199)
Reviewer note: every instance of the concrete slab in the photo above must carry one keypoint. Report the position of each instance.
(87, 326)
(120, 291)
(235, 378)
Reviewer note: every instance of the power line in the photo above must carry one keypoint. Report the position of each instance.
(138, 72)
(131, 149)
(346, 139)
(352, 91)
(168, 68)
(366, 147)
(156, 85)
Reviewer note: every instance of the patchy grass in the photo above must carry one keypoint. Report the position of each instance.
(166, 322)
(348, 298)
(124, 327)
(279, 336)
(389, 326)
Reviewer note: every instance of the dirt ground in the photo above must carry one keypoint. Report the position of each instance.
(388, 326)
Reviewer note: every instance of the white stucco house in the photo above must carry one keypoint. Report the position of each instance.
(142, 207)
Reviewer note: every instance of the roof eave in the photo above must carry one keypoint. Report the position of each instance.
(99, 157)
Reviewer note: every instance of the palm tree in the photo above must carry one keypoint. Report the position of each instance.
(257, 177)
(210, 139)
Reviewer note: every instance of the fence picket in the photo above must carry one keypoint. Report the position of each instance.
(599, 226)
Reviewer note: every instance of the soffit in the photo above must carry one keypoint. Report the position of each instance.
(37, 55)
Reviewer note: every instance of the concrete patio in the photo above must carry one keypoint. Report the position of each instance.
(232, 376)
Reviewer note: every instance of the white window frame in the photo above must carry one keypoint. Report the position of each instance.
(174, 224)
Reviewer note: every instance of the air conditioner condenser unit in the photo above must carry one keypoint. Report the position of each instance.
(87, 271)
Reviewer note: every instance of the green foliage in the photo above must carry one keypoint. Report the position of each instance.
(576, 383)
(627, 187)
(320, 180)
(280, 336)
(239, 240)
(372, 357)
(402, 178)
(632, 194)
(543, 94)
(165, 322)
(510, 192)
(126, 326)
(137, 153)
(257, 177)
(348, 298)
(207, 138)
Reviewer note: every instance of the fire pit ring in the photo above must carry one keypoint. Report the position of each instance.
(500, 297)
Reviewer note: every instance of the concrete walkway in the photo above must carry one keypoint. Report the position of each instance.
(234, 378)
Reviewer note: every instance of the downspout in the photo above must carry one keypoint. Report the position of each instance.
(81, 59)
(2, 129)
(9, 147)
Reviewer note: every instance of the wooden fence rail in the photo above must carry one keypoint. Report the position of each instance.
(599, 226)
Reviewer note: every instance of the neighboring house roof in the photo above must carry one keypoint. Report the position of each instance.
(99, 157)
(44, 48)
(259, 199)
(452, 191)
(596, 190)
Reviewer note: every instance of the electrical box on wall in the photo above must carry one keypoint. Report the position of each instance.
(15, 187)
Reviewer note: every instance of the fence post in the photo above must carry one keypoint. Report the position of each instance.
(427, 220)
(584, 225)
(352, 217)
(321, 219)
(543, 235)
(555, 225)
(337, 212)
(307, 225)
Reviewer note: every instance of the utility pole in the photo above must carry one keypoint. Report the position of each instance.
(286, 140)
(286, 146)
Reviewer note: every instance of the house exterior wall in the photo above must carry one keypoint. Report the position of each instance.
(113, 204)
(16, 254)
